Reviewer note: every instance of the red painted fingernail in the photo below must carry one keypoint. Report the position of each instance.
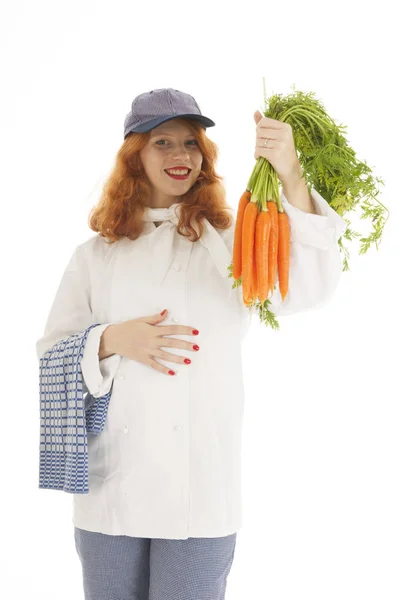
(196, 347)
(171, 372)
(187, 361)
(164, 311)
(195, 332)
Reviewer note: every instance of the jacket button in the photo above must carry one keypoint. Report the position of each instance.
(126, 429)
(178, 427)
(177, 267)
(176, 319)
(120, 376)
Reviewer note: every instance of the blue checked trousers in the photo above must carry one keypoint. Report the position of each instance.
(120, 567)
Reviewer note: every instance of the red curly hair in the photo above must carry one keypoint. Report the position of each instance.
(127, 190)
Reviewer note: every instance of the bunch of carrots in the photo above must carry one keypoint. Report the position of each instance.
(261, 247)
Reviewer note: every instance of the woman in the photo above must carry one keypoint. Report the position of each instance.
(157, 490)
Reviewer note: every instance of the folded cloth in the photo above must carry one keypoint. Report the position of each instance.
(66, 417)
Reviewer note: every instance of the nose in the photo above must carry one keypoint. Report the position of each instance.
(181, 153)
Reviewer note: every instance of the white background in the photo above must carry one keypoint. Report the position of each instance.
(321, 429)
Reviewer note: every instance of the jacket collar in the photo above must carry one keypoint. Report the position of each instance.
(161, 244)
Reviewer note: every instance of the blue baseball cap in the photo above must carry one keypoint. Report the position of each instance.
(153, 108)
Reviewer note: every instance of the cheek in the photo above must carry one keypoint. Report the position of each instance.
(155, 166)
(199, 162)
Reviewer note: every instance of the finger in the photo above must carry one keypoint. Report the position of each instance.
(275, 134)
(154, 364)
(175, 343)
(272, 144)
(272, 134)
(174, 330)
(267, 153)
(267, 122)
(176, 358)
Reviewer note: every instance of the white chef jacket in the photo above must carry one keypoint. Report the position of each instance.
(167, 463)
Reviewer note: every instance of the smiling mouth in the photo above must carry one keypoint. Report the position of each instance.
(178, 176)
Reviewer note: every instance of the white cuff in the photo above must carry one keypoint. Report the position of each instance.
(321, 230)
(98, 374)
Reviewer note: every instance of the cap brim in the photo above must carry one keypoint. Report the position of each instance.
(155, 122)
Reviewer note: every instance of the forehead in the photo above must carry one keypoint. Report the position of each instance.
(172, 126)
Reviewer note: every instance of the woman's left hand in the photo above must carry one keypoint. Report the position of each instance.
(281, 150)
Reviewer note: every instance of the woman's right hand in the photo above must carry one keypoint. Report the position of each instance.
(142, 339)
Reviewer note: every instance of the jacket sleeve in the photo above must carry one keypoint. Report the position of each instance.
(67, 351)
(315, 261)
(70, 314)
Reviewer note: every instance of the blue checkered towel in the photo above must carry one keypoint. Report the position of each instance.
(66, 417)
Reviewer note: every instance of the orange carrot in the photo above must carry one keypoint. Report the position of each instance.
(273, 245)
(250, 297)
(262, 234)
(254, 288)
(248, 300)
(237, 242)
(249, 225)
(283, 253)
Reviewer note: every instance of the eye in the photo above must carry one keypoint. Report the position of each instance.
(189, 141)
